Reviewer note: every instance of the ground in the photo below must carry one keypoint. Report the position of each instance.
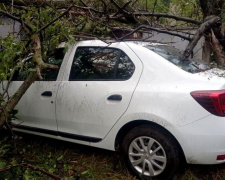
(72, 161)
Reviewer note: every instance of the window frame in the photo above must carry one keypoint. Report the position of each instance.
(121, 51)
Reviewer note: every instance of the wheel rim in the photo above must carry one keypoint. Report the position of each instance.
(147, 156)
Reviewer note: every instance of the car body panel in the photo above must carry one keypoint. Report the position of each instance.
(203, 140)
(82, 106)
(36, 110)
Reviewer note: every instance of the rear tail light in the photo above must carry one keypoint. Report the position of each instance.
(220, 157)
(212, 101)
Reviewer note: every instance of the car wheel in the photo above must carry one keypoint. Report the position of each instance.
(151, 152)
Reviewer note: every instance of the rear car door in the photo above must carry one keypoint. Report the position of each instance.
(99, 83)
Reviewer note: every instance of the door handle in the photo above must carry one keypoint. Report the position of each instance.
(115, 97)
(47, 93)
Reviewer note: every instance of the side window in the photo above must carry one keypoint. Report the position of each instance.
(93, 63)
(55, 59)
(47, 74)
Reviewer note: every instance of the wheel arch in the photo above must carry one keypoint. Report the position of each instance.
(127, 127)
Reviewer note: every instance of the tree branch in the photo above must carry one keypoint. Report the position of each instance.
(17, 96)
(88, 9)
(54, 20)
(127, 14)
(159, 15)
(25, 165)
(154, 29)
(38, 54)
(211, 20)
(121, 8)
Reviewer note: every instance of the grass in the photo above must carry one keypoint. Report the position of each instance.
(72, 161)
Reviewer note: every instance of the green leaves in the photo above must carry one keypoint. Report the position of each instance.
(60, 158)
(36, 17)
(162, 6)
(2, 164)
(185, 8)
(10, 54)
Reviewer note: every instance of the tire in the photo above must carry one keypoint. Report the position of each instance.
(151, 152)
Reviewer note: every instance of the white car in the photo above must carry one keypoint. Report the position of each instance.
(125, 96)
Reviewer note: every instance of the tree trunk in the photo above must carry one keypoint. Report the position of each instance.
(211, 7)
(207, 50)
(30, 79)
(217, 48)
(16, 97)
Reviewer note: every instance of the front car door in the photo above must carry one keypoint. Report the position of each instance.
(36, 109)
(98, 85)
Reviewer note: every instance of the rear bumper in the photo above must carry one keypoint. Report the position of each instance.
(203, 140)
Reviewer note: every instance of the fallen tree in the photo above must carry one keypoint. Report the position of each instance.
(209, 22)
(89, 19)
(34, 45)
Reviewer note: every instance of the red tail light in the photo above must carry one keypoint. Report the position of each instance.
(212, 101)
(220, 157)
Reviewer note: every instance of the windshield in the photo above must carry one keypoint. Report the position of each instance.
(173, 55)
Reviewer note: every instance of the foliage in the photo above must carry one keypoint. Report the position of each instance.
(63, 159)
(71, 161)
(180, 8)
(185, 8)
(161, 6)
(11, 49)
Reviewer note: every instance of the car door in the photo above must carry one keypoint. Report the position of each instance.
(99, 83)
(36, 109)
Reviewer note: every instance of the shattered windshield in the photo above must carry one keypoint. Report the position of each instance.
(173, 55)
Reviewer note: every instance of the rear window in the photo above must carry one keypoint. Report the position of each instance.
(173, 55)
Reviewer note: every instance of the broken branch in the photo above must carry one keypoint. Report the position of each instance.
(154, 29)
(159, 15)
(25, 165)
(54, 20)
(199, 33)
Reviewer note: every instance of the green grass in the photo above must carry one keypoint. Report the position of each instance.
(72, 161)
